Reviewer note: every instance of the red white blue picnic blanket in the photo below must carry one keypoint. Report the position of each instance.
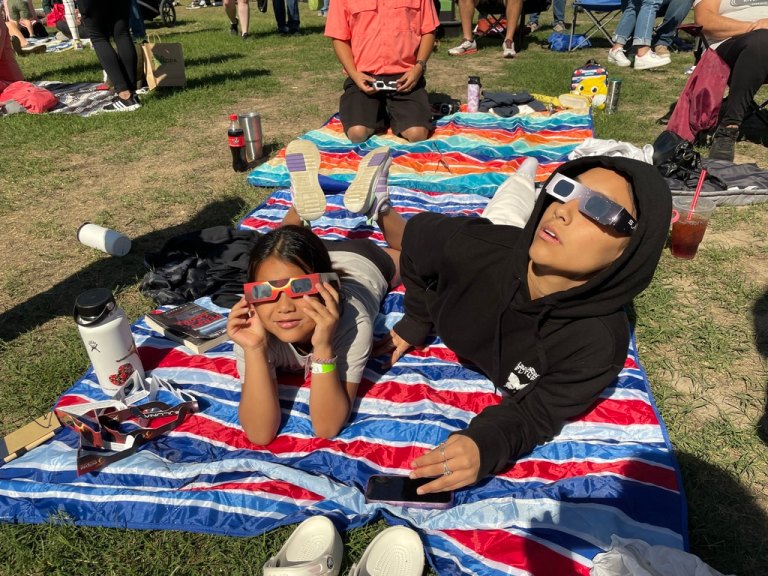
(611, 471)
(474, 152)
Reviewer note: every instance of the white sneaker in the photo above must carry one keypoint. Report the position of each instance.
(302, 158)
(396, 551)
(651, 60)
(559, 27)
(368, 194)
(466, 47)
(618, 57)
(315, 548)
(508, 49)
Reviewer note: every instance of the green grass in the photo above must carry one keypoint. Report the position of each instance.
(701, 325)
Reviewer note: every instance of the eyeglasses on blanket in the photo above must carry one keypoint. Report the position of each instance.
(296, 287)
(592, 204)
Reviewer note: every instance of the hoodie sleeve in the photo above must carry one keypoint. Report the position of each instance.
(423, 250)
(574, 382)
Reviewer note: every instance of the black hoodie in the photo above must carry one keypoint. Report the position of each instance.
(551, 357)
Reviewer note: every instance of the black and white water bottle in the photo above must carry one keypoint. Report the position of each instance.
(107, 336)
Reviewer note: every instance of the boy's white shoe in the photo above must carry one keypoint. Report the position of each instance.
(508, 49)
(368, 194)
(651, 60)
(314, 548)
(397, 551)
(302, 159)
(618, 57)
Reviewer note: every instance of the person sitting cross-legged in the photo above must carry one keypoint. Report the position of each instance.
(469, 45)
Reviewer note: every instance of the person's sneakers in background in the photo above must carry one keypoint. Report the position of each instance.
(245, 36)
(618, 57)
(27, 49)
(508, 49)
(724, 143)
(662, 51)
(559, 27)
(531, 27)
(650, 60)
(233, 27)
(119, 105)
(466, 47)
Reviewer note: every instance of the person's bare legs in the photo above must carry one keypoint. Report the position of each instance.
(230, 9)
(244, 13)
(14, 30)
(415, 133)
(514, 8)
(466, 15)
(358, 134)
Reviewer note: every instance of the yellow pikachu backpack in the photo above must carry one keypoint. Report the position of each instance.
(591, 82)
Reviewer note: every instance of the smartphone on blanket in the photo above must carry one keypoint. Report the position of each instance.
(401, 491)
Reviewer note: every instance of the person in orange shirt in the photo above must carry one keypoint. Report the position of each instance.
(383, 46)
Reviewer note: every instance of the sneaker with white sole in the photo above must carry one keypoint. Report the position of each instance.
(508, 49)
(618, 57)
(368, 194)
(396, 551)
(302, 158)
(559, 27)
(119, 105)
(651, 60)
(466, 47)
(315, 548)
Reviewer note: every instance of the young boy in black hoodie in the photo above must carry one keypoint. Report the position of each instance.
(539, 310)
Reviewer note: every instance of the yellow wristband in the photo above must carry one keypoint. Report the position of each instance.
(323, 366)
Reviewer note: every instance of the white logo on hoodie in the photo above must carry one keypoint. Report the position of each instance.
(513, 381)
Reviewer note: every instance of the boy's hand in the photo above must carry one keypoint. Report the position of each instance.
(393, 343)
(407, 81)
(456, 463)
(244, 327)
(325, 314)
(365, 83)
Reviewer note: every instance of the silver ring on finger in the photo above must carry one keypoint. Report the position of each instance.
(446, 471)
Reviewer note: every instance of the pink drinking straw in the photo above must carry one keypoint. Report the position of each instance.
(696, 194)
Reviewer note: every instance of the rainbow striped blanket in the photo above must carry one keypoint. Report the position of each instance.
(611, 471)
(467, 152)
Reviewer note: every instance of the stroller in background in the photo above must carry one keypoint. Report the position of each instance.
(150, 9)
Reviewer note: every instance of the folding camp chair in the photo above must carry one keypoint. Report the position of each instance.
(697, 32)
(493, 20)
(600, 12)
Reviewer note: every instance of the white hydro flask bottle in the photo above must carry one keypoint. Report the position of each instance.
(107, 336)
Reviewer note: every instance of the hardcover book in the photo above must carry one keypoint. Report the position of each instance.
(191, 324)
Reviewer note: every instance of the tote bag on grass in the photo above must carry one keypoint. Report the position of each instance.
(164, 64)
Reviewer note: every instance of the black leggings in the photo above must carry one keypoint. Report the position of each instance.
(105, 19)
(747, 56)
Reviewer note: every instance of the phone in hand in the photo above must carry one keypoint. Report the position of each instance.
(401, 491)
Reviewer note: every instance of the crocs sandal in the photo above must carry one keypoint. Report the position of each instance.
(302, 159)
(313, 549)
(397, 551)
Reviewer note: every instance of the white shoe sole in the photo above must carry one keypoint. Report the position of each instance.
(359, 197)
(652, 64)
(315, 548)
(397, 551)
(302, 159)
